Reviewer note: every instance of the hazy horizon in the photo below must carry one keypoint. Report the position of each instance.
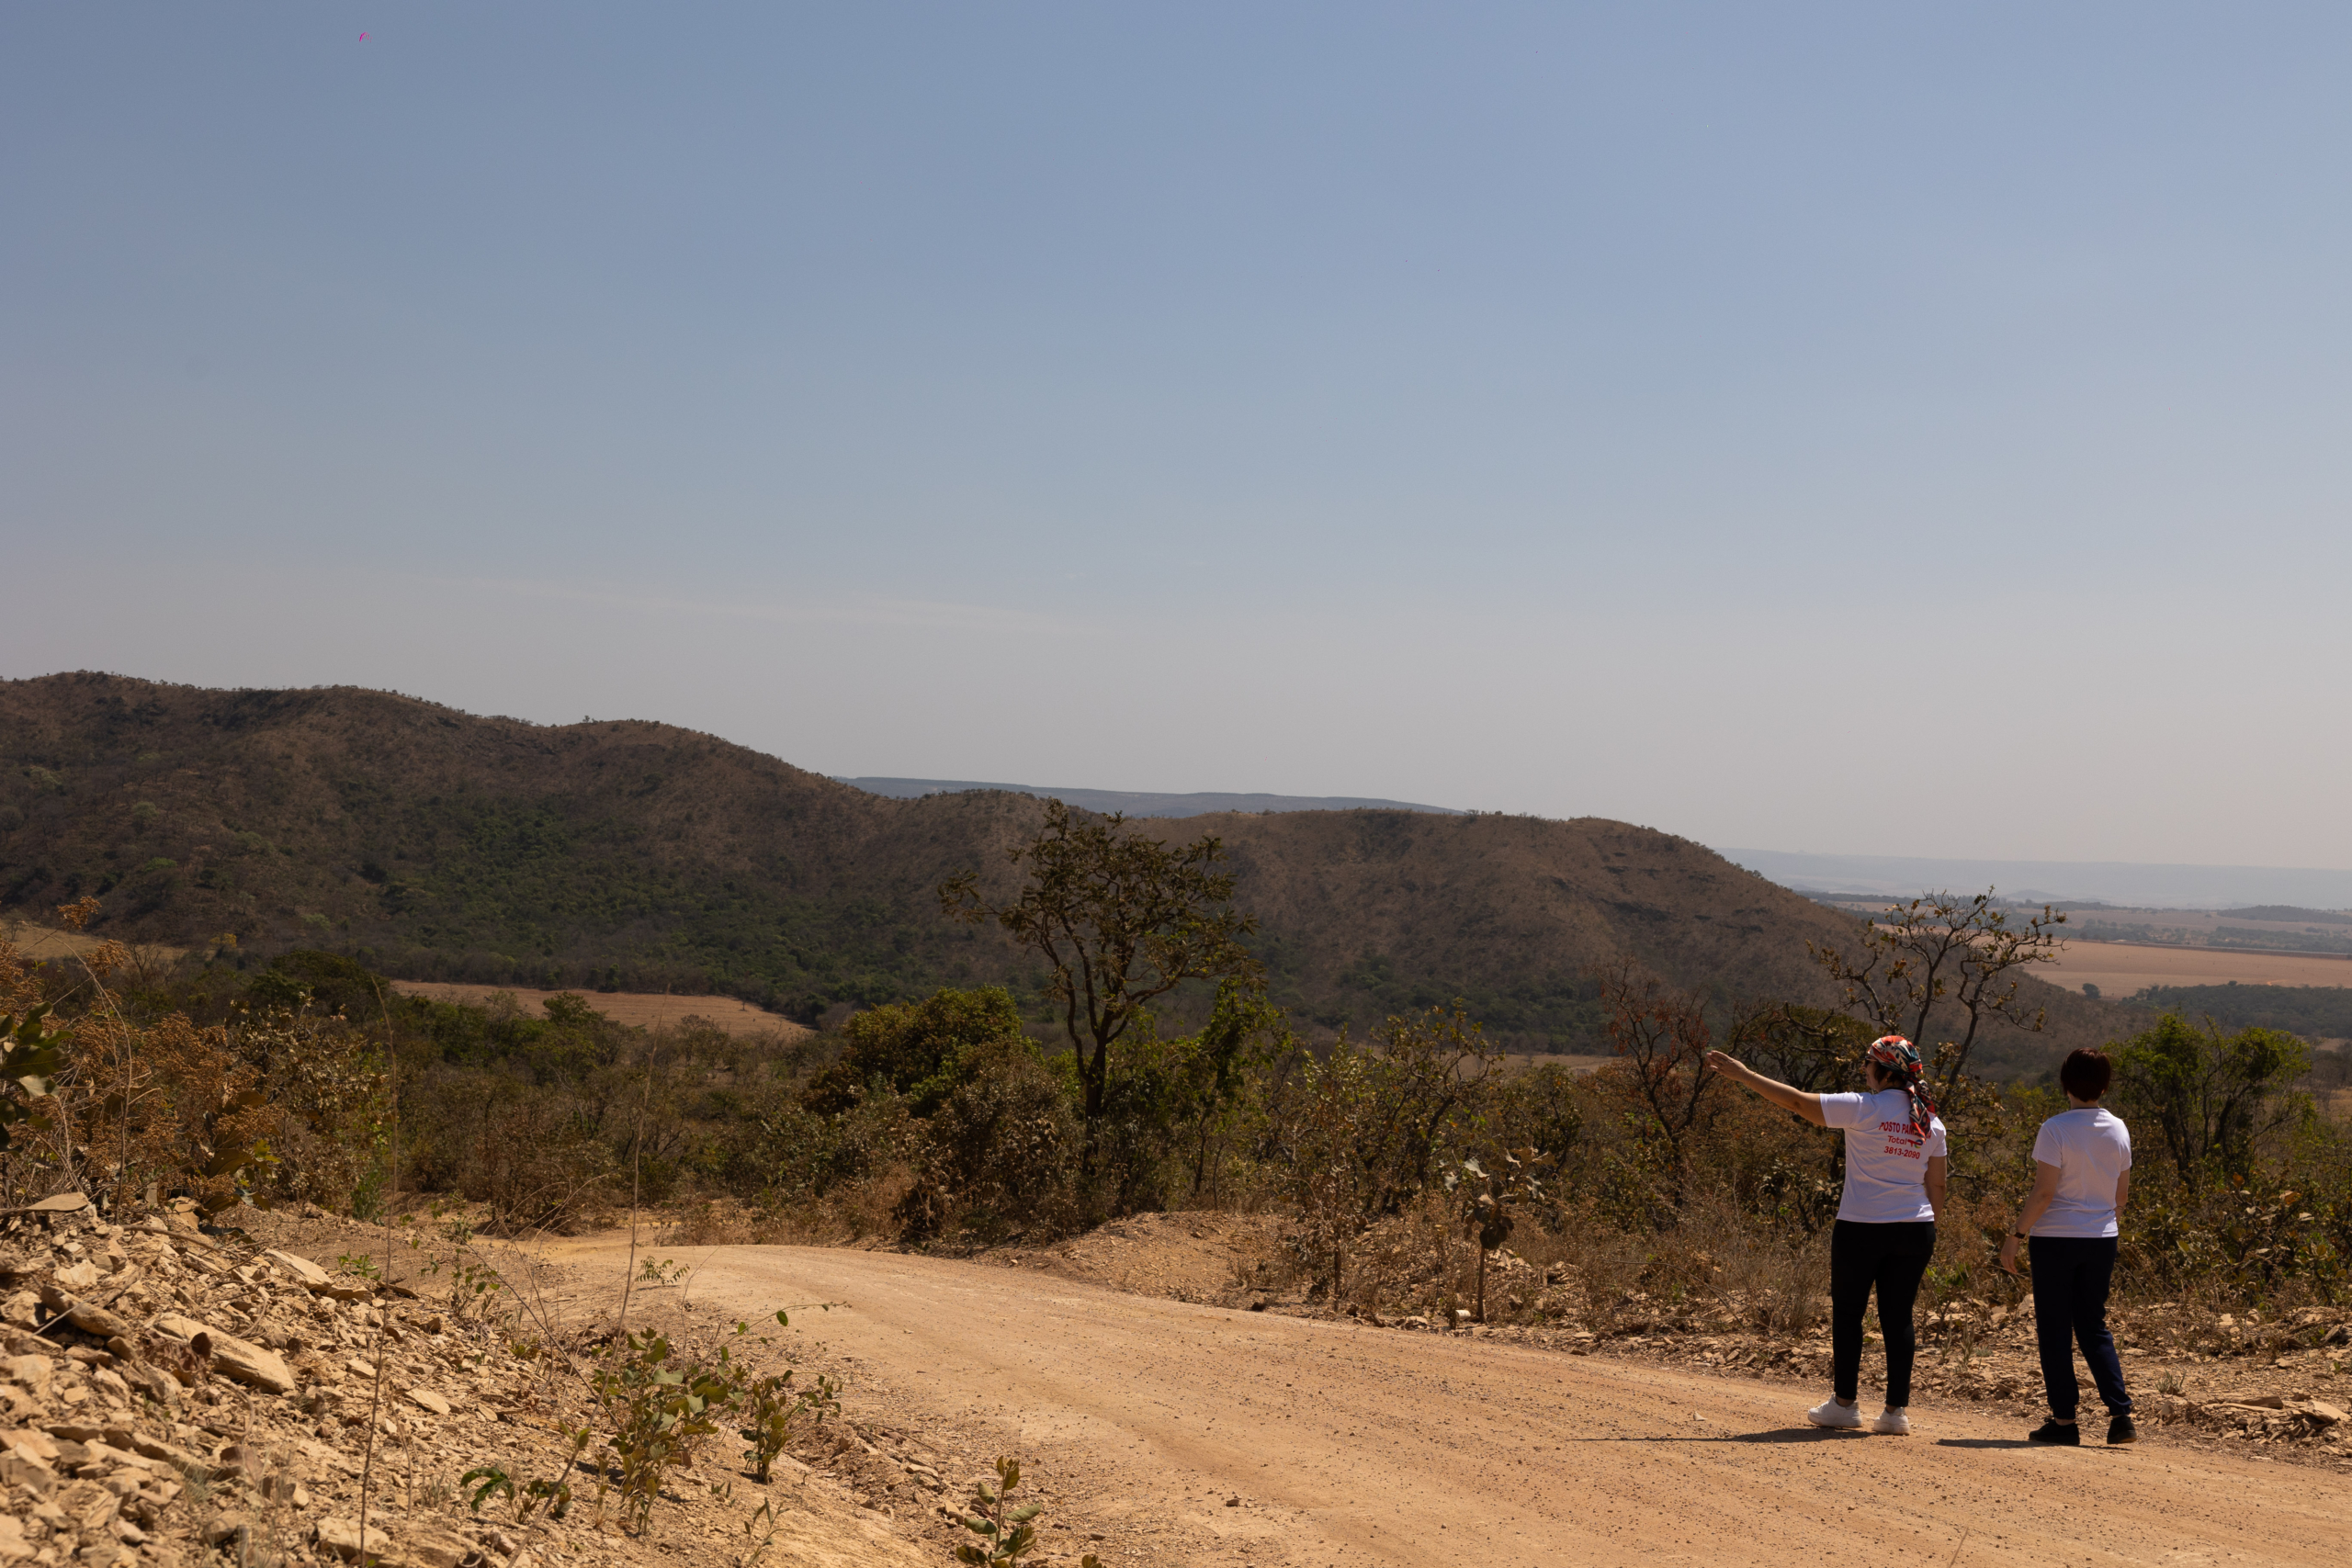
(2122, 884)
(1898, 432)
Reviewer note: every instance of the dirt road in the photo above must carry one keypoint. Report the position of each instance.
(1351, 1445)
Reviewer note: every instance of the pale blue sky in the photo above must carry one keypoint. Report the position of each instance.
(1826, 427)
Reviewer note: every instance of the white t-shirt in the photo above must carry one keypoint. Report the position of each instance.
(1886, 1161)
(2091, 1150)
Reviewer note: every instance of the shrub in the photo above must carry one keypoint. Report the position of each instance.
(653, 1411)
(2211, 1098)
(771, 1408)
(999, 1154)
(330, 1085)
(910, 1048)
(170, 1106)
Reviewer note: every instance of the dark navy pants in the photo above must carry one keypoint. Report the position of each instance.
(1894, 1258)
(2070, 1276)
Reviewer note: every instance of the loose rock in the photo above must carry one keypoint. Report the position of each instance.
(242, 1359)
(84, 1315)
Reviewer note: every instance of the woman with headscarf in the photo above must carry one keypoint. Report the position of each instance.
(2082, 1177)
(1887, 1218)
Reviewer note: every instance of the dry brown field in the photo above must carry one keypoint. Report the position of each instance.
(2120, 968)
(49, 942)
(644, 1009)
(1521, 1061)
(641, 1009)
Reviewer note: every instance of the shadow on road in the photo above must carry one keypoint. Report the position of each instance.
(1802, 1435)
(1777, 1435)
(1799, 1435)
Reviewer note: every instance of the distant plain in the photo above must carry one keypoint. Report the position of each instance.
(2120, 969)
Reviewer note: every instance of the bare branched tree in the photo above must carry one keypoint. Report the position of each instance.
(1818, 1050)
(1943, 948)
(1663, 1037)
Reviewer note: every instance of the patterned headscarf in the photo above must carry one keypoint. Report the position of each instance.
(1900, 1059)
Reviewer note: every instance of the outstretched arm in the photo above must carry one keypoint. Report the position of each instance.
(1806, 1105)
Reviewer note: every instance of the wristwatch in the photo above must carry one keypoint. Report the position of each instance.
(2019, 1236)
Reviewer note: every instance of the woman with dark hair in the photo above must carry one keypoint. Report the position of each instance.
(2082, 1174)
(1886, 1217)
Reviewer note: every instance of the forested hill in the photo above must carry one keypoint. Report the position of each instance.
(452, 847)
(635, 855)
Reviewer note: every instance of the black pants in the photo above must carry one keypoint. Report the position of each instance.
(2070, 1275)
(1894, 1258)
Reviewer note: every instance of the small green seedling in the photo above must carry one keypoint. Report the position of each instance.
(1006, 1532)
(493, 1482)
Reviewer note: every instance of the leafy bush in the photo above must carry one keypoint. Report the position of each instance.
(1489, 1202)
(330, 1085)
(2212, 1096)
(911, 1048)
(654, 1409)
(771, 1408)
(653, 1412)
(30, 1052)
(999, 1154)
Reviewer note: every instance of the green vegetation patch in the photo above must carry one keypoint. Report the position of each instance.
(2315, 1012)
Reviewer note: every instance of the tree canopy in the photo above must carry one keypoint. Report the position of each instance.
(1120, 919)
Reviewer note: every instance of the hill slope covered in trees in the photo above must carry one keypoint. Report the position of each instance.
(440, 845)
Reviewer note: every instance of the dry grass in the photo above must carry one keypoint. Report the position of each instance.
(640, 1009)
(1524, 1060)
(41, 942)
(2119, 969)
(857, 1214)
(1578, 1271)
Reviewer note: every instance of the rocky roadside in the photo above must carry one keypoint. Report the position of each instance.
(170, 1396)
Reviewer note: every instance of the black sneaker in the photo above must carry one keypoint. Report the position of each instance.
(2120, 1431)
(2065, 1434)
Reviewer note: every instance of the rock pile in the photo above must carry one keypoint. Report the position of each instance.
(172, 1397)
(2261, 1415)
(166, 1390)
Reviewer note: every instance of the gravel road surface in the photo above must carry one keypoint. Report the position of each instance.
(1347, 1445)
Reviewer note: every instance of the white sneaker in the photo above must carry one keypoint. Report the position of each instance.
(1832, 1414)
(1895, 1421)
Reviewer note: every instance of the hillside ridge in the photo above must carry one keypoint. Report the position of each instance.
(631, 855)
(1146, 802)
